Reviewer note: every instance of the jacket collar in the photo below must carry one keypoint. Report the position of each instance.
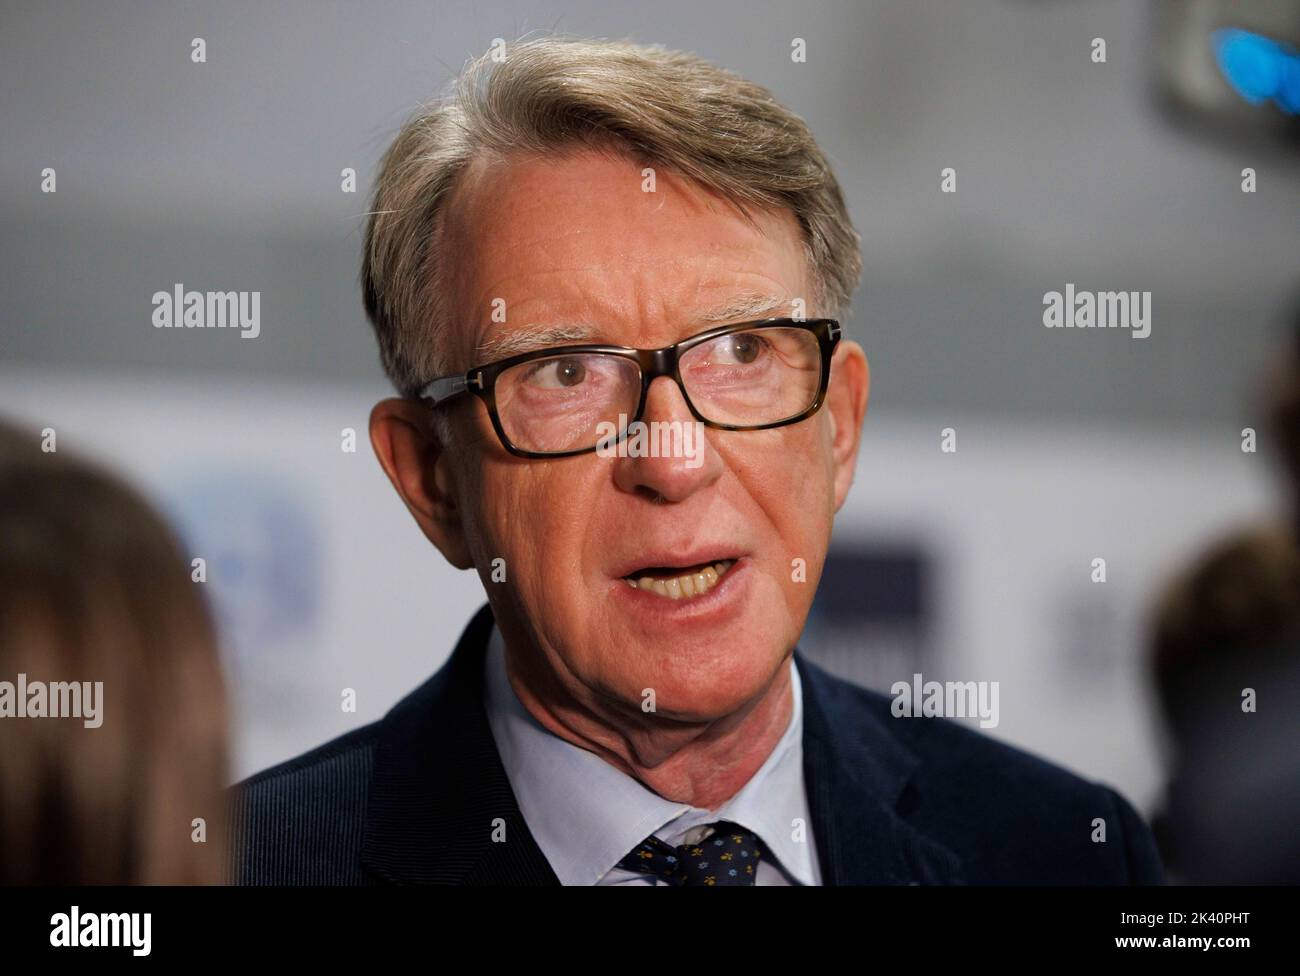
(857, 773)
(441, 810)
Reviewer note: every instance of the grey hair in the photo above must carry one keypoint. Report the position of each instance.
(669, 108)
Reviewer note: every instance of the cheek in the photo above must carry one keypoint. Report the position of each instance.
(531, 515)
(794, 487)
(794, 491)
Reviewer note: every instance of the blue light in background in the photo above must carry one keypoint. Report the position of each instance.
(1259, 68)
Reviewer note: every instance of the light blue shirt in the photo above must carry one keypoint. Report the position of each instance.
(586, 814)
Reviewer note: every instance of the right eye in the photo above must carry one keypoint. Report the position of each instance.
(555, 374)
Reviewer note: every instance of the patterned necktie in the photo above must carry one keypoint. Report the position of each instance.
(728, 856)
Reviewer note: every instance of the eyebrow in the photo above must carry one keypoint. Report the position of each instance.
(751, 306)
(503, 346)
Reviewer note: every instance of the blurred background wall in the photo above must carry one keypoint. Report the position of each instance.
(974, 565)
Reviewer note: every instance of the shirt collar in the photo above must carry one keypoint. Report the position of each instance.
(554, 781)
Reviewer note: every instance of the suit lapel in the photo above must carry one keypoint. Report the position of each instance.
(856, 773)
(439, 790)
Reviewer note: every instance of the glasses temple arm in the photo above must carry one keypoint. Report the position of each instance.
(446, 388)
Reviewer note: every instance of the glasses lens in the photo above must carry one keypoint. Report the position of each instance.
(760, 376)
(561, 403)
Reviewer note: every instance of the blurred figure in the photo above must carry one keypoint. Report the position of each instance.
(94, 589)
(1226, 656)
(1284, 416)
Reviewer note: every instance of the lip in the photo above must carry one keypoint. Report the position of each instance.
(676, 557)
(723, 599)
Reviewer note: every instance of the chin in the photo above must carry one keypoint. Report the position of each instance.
(700, 680)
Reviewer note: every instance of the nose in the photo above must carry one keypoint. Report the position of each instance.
(673, 458)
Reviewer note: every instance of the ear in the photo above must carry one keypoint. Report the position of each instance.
(419, 466)
(846, 403)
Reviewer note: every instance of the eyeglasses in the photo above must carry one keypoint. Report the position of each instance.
(560, 401)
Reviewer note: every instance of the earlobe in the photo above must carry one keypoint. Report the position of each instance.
(418, 466)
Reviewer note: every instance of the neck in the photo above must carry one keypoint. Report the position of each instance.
(702, 763)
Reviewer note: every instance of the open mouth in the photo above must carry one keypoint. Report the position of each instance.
(679, 582)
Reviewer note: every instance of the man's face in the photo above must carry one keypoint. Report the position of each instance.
(575, 241)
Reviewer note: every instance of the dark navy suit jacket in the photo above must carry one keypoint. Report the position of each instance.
(411, 799)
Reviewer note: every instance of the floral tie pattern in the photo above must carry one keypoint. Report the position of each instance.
(728, 856)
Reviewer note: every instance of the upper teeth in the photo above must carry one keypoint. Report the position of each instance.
(686, 585)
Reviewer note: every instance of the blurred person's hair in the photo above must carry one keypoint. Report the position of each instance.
(1284, 410)
(1236, 609)
(552, 94)
(1229, 623)
(94, 587)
